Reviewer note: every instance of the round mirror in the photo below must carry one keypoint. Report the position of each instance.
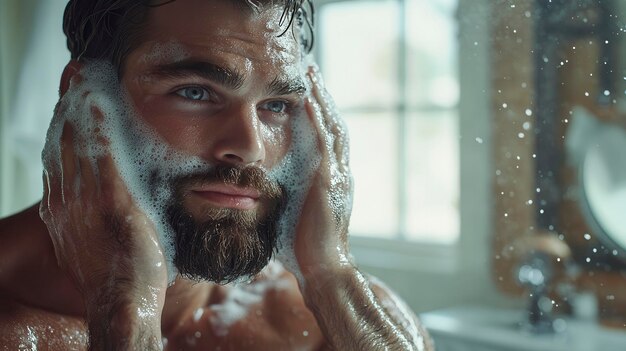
(603, 183)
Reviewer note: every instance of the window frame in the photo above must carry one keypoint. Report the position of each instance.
(402, 111)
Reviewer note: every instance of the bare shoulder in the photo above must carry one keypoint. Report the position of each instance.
(28, 328)
(400, 311)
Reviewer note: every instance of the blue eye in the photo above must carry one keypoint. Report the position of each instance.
(276, 106)
(193, 93)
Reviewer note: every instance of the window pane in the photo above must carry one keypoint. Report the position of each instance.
(374, 164)
(433, 176)
(432, 53)
(358, 49)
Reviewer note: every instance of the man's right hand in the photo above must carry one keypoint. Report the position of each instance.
(104, 241)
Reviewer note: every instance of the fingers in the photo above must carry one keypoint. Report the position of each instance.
(88, 180)
(334, 131)
(92, 170)
(112, 188)
(68, 162)
(44, 207)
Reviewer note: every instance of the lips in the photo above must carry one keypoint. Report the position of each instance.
(228, 196)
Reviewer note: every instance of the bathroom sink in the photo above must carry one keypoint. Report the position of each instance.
(490, 329)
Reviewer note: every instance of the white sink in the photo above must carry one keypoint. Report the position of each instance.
(490, 329)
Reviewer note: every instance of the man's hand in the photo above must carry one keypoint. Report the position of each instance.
(322, 231)
(352, 313)
(103, 240)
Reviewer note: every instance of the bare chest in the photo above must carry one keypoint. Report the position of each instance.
(250, 318)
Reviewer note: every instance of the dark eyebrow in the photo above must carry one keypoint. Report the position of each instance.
(289, 86)
(229, 78)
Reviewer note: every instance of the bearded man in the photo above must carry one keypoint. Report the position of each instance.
(193, 144)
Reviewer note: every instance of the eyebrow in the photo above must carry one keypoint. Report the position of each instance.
(280, 86)
(227, 77)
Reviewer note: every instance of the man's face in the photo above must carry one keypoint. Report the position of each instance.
(217, 82)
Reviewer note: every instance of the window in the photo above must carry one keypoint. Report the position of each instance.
(391, 66)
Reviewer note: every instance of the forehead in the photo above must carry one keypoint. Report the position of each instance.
(223, 31)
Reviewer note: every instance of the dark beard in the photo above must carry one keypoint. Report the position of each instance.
(232, 243)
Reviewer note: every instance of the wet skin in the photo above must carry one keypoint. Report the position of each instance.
(241, 122)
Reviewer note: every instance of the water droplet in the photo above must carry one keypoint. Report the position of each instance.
(305, 333)
(588, 259)
(505, 105)
(520, 135)
(479, 140)
(526, 125)
(587, 236)
(198, 314)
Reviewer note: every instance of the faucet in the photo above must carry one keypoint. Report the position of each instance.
(534, 273)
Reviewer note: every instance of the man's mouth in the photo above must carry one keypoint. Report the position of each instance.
(228, 196)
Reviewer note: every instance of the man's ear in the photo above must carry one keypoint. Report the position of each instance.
(71, 69)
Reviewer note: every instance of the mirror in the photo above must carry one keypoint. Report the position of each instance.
(596, 149)
(581, 106)
(603, 186)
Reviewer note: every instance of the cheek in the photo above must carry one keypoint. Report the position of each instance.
(180, 128)
(277, 140)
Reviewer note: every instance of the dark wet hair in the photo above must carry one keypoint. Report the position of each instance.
(111, 29)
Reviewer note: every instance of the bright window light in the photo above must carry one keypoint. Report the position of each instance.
(392, 67)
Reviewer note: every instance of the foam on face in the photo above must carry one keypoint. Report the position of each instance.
(139, 152)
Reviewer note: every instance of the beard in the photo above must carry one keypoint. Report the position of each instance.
(227, 244)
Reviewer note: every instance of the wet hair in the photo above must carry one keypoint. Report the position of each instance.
(111, 29)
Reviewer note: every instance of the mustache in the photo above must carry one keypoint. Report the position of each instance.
(246, 177)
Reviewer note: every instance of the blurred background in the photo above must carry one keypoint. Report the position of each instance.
(488, 147)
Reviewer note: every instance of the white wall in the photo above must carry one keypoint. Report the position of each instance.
(33, 57)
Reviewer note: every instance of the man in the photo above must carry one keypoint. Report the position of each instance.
(203, 181)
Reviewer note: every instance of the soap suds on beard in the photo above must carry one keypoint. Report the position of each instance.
(139, 152)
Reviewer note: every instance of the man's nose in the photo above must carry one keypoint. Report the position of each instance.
(240, 142)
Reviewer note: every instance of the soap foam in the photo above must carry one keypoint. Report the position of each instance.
(140, 154)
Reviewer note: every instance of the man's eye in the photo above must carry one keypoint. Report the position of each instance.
(276, 106)
(193, 93)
